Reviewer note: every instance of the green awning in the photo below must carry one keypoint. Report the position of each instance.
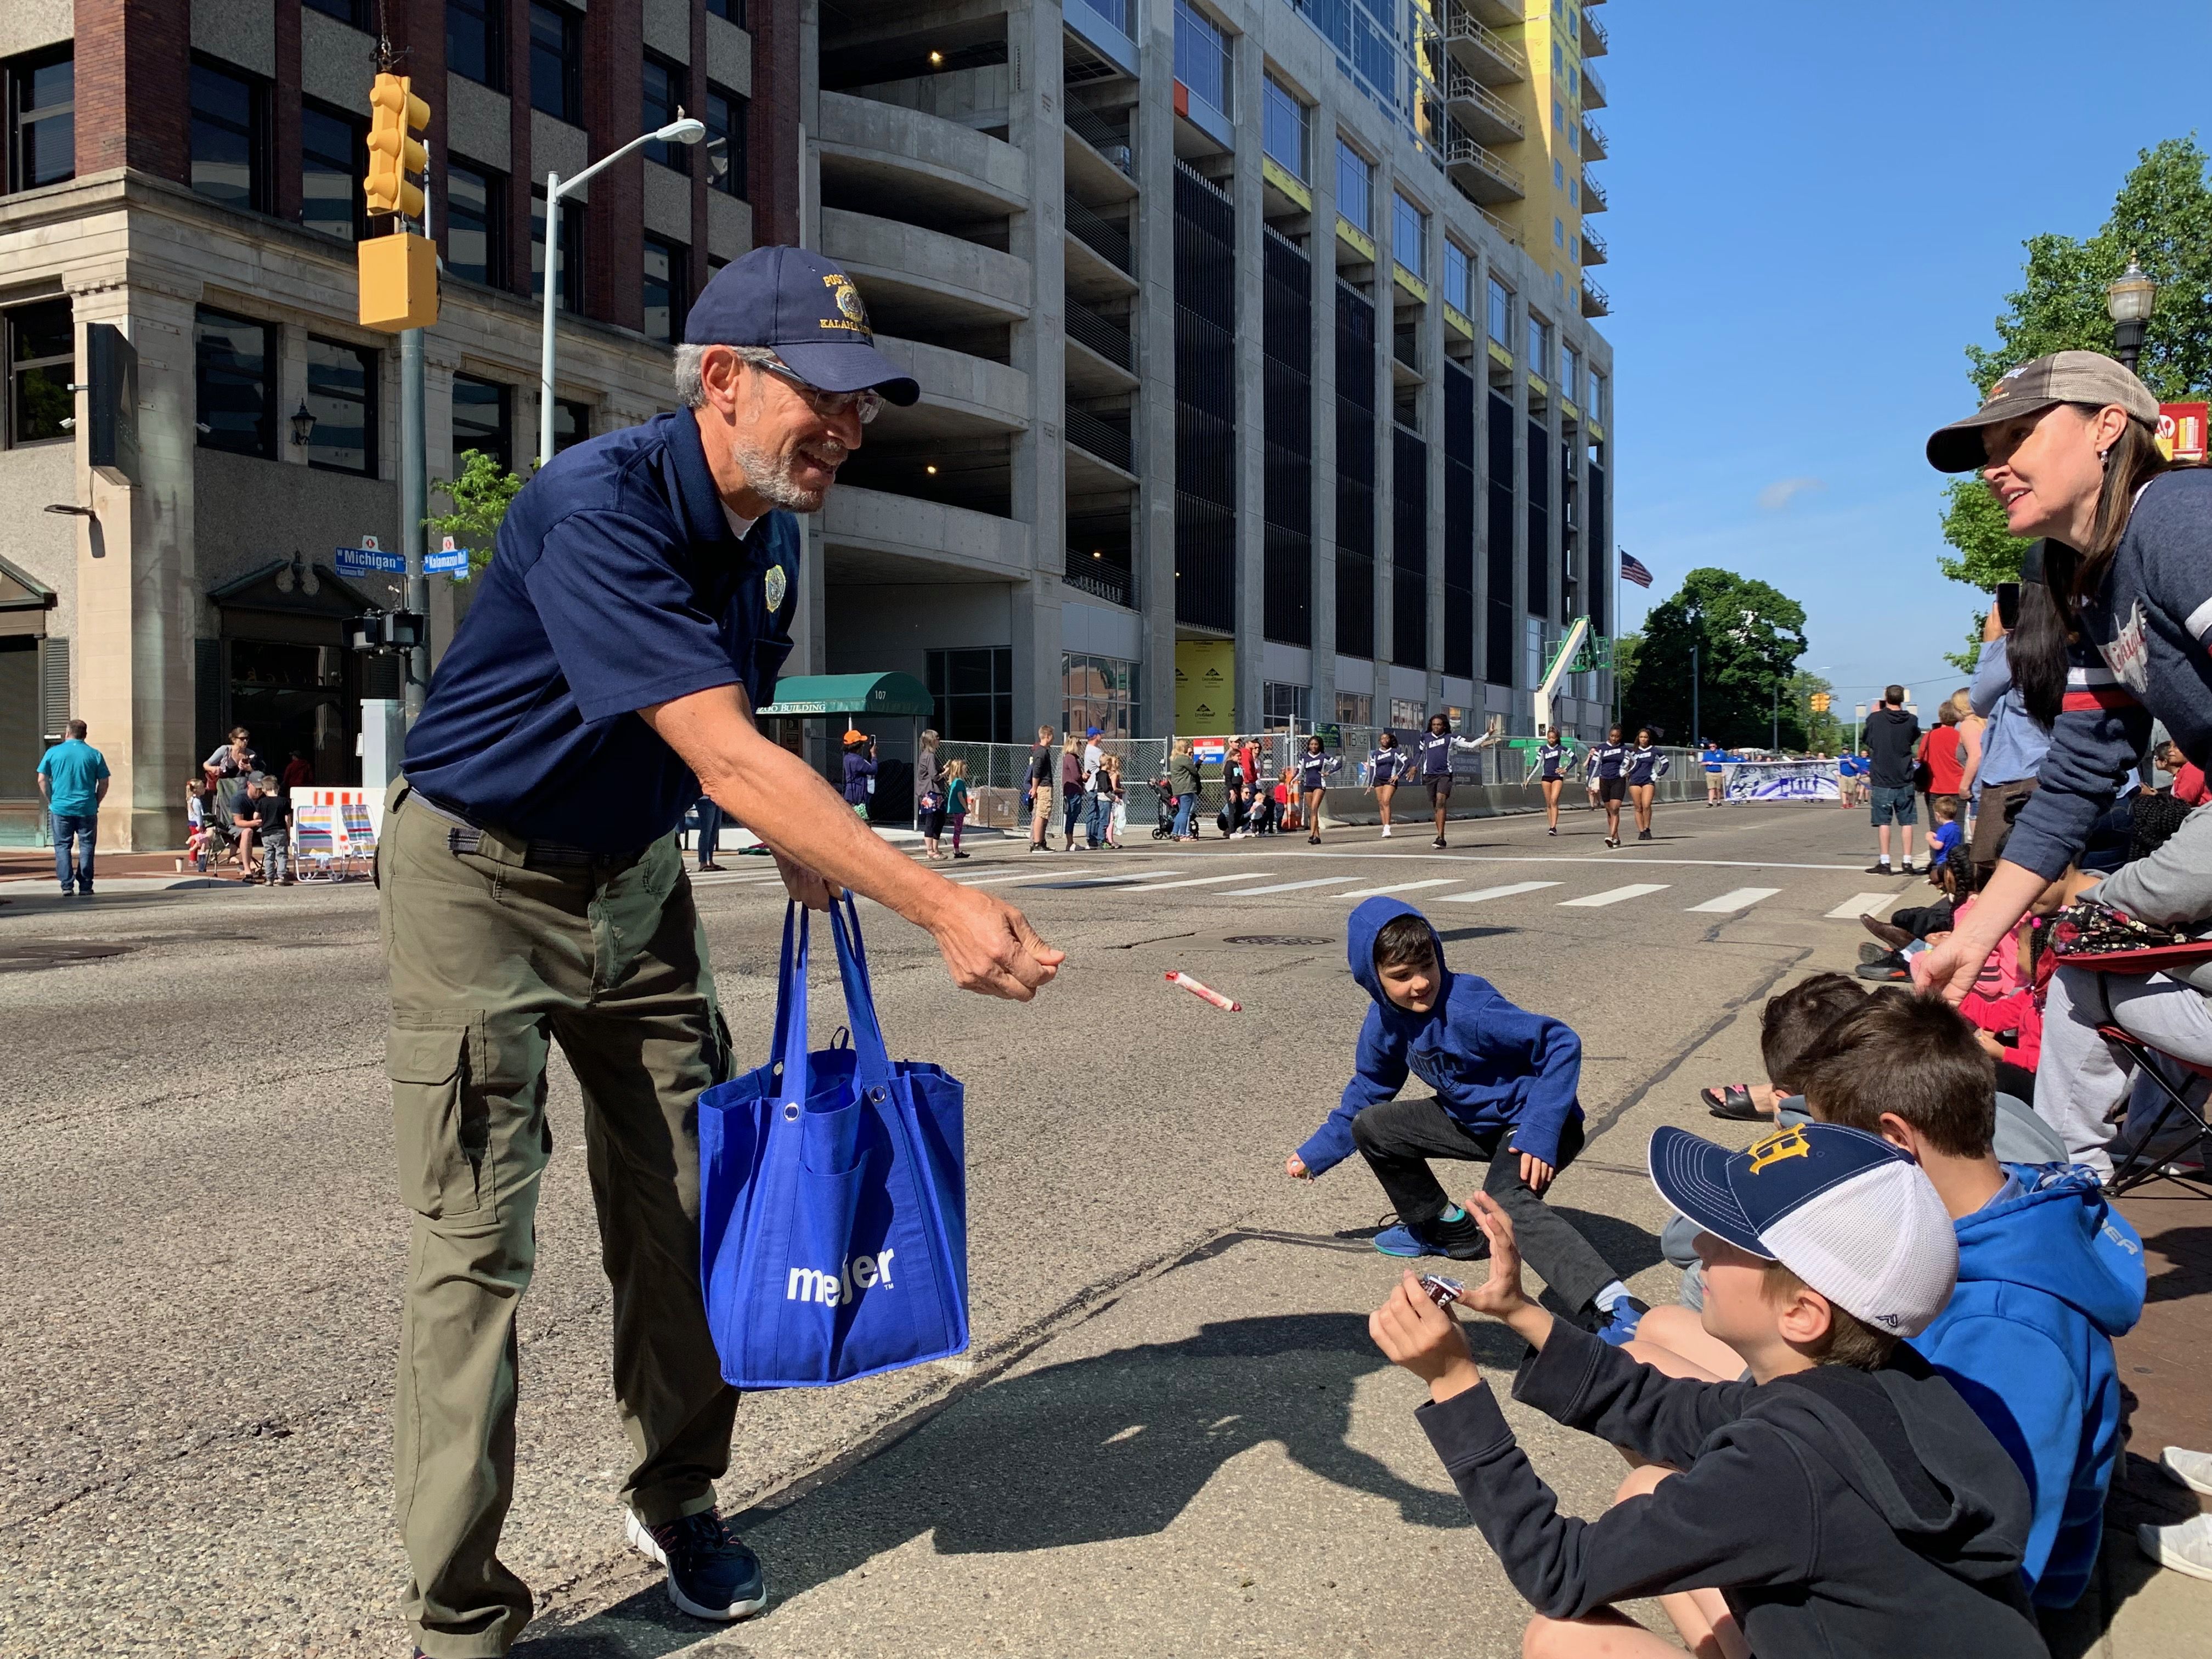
(895, 695)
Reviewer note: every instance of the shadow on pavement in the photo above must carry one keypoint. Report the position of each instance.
(1110, 1447)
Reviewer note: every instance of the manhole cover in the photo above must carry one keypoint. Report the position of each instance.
(1275, 939)
(32, 955)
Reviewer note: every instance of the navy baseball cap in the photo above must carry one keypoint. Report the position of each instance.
(1851, 1215)
(803, 309)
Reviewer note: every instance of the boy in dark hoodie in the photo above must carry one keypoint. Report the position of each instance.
(1505, 1082)
(1843, 1500)
(2048, 1273)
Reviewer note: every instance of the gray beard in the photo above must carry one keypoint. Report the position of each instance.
(770, 477)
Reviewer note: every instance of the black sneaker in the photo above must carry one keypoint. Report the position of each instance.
(1644, 834)
(1881, 867)
(1438, 841)
(711, 1575)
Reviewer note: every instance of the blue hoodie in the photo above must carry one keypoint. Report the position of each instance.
(2048, 1275)
(1491, 1064)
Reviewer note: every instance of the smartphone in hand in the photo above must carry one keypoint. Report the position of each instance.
(2007, 599)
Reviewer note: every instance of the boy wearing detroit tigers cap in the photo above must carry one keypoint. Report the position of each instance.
(1842, 1499)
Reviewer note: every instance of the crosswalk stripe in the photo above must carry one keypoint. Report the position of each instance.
(1741, 899)
(1287, 886)
(1865, 904)
(1075, 882)
(1197, 881)
(1398, 887)
(1480, 894)
(1614, 895)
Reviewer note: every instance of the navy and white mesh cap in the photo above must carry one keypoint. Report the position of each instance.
(1851, 1215)
(806, 311)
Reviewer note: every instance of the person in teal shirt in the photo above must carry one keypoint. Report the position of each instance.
(73, 779)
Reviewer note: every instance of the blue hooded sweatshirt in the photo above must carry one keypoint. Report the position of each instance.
(1492, 1065)
(2048, 1275)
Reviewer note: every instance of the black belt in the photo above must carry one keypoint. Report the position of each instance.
(463, 836)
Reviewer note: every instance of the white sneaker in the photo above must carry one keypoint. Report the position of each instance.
(1386, 828)
(2186, 1547)
(2192, 1469)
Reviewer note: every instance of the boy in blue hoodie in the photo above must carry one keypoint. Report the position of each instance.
(2048, 1273)
(1505, 1082)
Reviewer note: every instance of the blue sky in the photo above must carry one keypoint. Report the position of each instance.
(1814, 208)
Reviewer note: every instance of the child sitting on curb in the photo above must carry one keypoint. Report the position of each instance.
(1843, 1499)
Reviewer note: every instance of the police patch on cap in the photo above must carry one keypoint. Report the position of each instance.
(849, 301)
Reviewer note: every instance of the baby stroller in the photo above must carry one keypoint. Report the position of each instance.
(1166, 804)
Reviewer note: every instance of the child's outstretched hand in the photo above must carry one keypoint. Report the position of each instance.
(1294, 1166)
(1500, 1296)
(1414, 1333)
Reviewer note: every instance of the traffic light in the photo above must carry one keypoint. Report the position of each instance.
(1820, 700)
(395, 155)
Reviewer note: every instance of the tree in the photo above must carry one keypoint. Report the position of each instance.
(481, 496)
(2162, 218)
(1748, 637)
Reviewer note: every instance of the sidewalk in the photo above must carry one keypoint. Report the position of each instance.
(36, 864)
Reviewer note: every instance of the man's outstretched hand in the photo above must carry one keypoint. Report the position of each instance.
(1414, 1333)
(990, 945)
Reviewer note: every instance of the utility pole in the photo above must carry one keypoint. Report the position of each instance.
(414, 505)
(1697, 732)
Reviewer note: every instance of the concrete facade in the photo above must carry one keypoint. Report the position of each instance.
(1001, 177)
(178, 604)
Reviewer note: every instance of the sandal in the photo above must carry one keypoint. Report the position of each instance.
(1731, 1101)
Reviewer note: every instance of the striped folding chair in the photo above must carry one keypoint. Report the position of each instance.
(315, 843)
(359, 835)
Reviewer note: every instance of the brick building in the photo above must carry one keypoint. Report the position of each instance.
(189, 173)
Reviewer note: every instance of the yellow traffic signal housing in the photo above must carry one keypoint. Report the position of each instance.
(399, 283)
(395, 155)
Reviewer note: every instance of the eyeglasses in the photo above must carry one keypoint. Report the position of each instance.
(829, 405)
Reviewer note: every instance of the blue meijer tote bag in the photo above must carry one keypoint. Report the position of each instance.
(833, 1203)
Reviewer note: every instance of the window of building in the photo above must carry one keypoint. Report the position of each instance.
(1408, 713)
(476, 40)
(1459, 277)
(572, 423)
(1539, 345)
(1532, 651)
(42, 345)
(556, 54)
(1354, 707)
(1286, 130)
(1559, 60)
(1282, 705)
(667, 288)
(1559, 233)
(333, 156)
(475, 222)
(1409, 236)
(1596, 396)
(230, 137)
(1355, 186)
(1574, 82)
(1575, 191)
(730, 11)
(1201, 58)
(1500, 312)
(727, 116)
(352, 12)
(1098, 691)
(974, 693)
(1571, 364)
(41, 91)
(342, 397)
(232, 373)
(567, 257)
(664, 83)
(482, 419)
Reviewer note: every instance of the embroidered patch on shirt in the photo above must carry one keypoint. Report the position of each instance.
(2128, 654)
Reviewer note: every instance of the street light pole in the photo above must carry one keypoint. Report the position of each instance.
(1696, 733)
(2128, 302)
(687, 131)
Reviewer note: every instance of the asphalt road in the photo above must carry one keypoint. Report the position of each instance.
(1171, 1435)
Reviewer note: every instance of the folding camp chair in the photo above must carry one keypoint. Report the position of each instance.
(2139, 1163)
(359, 835)
(315, 843)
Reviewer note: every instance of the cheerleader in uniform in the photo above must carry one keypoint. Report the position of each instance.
(1553, 756)
(1436, 745)
(1315, 767)
(1645, 767)
(1608, 762)
(1387, 767)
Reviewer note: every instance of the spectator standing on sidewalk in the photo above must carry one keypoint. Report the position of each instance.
(73, 782)
(956, 801)
(2013, 744)
(1039, 784)
(274, 833)
(1071, 787)
(928, 797)
(860, 771)
(710, 830)
(1940, 754)
(1098, 795)
(1891, 736)
(1183, 784)
(299, 772)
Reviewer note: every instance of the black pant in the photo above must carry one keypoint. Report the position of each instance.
(1399, 1137)
(710, 829)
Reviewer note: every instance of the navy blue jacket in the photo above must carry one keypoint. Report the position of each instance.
(1492, 1065)
(1391, 765)
(1646, 765)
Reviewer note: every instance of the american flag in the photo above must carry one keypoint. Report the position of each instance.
(1632, 570)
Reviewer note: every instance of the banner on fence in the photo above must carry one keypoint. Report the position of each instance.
(1206, 685)
(1800, 780)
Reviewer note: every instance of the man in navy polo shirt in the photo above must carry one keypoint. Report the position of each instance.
(637, 611)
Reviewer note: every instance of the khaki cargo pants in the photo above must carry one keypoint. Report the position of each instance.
(492, 958)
